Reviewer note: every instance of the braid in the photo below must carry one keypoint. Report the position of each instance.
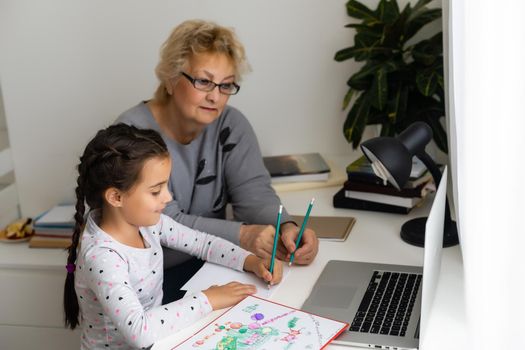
(71, 307)
(79, 222)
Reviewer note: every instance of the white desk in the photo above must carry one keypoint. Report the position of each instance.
(374, 238)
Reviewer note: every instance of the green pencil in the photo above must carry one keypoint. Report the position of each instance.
(303, 226)
(276, 239)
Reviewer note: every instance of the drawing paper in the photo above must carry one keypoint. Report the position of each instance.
(260, 324)
(210, 274)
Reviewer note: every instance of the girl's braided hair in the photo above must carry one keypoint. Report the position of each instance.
(113, 158)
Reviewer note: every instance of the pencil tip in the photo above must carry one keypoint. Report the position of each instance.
(290, 263)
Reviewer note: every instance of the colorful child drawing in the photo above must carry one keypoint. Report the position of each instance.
(247, 336)
(293, 333)
(264, 326)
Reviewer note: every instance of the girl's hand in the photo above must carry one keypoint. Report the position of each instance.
(261, 268)
(228, 294)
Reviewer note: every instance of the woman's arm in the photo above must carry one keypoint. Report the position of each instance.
(254, 201)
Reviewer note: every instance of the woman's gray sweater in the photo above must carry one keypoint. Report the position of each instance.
(222, 165)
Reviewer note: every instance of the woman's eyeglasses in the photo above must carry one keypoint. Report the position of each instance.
(208, 85)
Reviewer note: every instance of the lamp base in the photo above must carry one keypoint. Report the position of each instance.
(413, 232)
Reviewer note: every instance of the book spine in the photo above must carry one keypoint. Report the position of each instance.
(58, 226)
(38, 242)
(383, 198)
(372, 179)
(340, 201)
(53, 235)
(381, 189)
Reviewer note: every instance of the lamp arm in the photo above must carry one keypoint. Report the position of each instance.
(436, 175)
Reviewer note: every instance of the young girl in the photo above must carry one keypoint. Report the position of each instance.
(114, 267)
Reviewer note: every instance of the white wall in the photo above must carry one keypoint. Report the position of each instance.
(3, 126)
(68, 68)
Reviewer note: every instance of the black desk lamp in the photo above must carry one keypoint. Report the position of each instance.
(391, 159)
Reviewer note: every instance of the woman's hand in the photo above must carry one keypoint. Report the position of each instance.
(261, 268)
(308, 247)
(228, 294)
(258, 239)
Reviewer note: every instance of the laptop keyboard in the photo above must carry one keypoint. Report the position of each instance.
(387, 304)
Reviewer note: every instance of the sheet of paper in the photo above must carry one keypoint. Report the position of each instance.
(258, 324)
(211, 274)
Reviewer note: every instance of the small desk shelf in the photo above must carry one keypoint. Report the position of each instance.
(31, 289)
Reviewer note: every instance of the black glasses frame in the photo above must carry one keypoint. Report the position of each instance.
(214, 84)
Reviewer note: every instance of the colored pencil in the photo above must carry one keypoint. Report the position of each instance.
(303, 226)
(275, 239)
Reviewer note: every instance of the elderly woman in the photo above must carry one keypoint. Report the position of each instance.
(215, 155)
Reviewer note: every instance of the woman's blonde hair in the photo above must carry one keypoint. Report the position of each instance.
(195, 37)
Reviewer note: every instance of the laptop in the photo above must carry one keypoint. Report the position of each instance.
(387, 306)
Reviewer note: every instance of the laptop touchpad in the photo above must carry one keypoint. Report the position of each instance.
(334, 296)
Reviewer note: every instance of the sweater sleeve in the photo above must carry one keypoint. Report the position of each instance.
(201, 245)
(249, 184)
(139, 327)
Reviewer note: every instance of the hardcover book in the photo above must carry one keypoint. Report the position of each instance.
(375, 180)
(297, 167)
(51, 231)
(419, 191)
(340, 201)
(408, 202)
(49, 242)
(60, 216)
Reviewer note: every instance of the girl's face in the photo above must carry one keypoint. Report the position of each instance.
(144, 202)
(196, 107)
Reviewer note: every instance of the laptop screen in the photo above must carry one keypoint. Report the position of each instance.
(433, 246)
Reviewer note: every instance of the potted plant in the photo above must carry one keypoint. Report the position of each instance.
(401, 81)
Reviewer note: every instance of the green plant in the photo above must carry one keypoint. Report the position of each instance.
(399, 83)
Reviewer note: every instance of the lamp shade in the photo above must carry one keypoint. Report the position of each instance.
(394, 155)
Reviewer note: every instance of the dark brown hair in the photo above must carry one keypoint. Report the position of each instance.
(113, 158)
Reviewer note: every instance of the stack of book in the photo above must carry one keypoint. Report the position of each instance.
(54, 228)
(365, 191)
